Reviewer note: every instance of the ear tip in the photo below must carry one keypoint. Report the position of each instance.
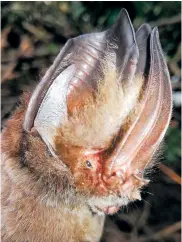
(155, 32)
(123, 28)
(124, 12)
(143, 33)
(123, 15)
(145, 28)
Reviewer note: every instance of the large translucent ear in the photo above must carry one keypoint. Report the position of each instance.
(121, 39)
(80, 64)
(53, 108)
(143, 137)
(62, 61)
(115, 48)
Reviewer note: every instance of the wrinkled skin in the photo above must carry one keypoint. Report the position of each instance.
(77, 149)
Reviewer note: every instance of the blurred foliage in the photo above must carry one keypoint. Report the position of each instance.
(89, 16)
(173, 150)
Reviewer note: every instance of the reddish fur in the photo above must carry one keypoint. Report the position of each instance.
(38, 203)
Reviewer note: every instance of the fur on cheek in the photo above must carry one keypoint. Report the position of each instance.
(13, 130)
(28, 161)
(44, 165)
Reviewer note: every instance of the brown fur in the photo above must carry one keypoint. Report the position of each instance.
(13, 129)
(38, 200)
(25, 218)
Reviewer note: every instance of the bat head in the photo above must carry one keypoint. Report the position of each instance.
(103, 108)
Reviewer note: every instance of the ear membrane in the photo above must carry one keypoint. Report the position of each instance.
(63, 60)
(81, 64)
(137, 146)
(117, 45)
(121, 38)
(53, 108)
(158, 72)
(143, 42)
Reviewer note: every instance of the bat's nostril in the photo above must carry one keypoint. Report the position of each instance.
(114, 178)
(113, 174)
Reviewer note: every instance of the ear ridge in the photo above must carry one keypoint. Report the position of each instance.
(144, 135)
(53, 108)
(40, 91)
(164, 117)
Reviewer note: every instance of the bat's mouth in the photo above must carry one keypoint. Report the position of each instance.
(109, 210)
(109, 205)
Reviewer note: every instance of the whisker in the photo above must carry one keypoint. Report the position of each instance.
(127, 210)
(147, 202)
(149, 193)
(136, 206)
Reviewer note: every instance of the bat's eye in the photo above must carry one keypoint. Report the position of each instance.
(88, 164)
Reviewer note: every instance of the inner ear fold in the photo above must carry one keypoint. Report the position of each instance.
(143, 42)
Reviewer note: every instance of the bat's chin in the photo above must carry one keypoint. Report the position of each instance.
(109, 210)
(107, 205)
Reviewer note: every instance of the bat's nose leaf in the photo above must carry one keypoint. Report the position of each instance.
(121, 37)
(143, 42)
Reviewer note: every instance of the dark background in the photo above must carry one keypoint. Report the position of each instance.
(32, 35)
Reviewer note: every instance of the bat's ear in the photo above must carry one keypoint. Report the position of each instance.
(144, 135)
(47, 107)
(86, 53)
(79, 66)
(62, 62)
(143, 42)
(121, 39)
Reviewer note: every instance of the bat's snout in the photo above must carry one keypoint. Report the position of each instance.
(102, 181)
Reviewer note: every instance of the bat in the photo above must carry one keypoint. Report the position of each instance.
(76, 149)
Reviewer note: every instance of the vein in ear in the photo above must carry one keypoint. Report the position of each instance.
(95, 123)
